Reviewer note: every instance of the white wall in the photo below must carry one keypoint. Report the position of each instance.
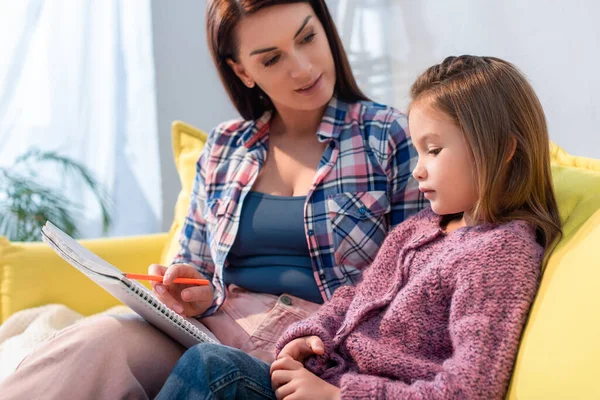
(555, 43)
(187, 85)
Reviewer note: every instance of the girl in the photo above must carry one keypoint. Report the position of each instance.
(440, 311)
(289, 203)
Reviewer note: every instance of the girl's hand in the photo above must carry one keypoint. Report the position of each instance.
(290, 380)
(186, 300)
(302, 348)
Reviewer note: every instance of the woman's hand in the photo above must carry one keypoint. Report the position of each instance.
(290, 380)
(302, 348)
(186, 300)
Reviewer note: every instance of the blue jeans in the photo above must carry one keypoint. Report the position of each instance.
(211, 371)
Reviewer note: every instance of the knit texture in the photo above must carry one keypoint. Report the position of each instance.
(437, 316)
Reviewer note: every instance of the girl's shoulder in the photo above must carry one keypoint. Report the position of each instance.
(508, 246)
(517, 232)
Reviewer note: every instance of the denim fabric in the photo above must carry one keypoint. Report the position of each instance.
(210, 371)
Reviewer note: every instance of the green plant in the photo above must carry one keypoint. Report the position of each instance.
(26, 203)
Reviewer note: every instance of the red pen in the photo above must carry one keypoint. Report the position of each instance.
(157, 278)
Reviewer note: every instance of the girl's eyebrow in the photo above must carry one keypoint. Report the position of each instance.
(429, 135)
(267, 49)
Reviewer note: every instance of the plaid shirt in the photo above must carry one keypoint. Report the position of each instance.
(363, 187)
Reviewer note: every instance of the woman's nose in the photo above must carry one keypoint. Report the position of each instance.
(301, 67)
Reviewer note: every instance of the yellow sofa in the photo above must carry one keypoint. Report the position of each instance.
(559, 356)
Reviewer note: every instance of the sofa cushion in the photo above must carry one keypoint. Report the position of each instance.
(559, 352)
(187, 146)
(32, 274)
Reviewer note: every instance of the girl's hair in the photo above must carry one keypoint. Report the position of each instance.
(496, 108)
(223, 16)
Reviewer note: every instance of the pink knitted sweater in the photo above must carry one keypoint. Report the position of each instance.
(437, 316)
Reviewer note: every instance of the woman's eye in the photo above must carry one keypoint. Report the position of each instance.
(271, 61)
(435, 152)
(309, 38)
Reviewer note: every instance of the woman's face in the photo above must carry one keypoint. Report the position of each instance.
(284, 50)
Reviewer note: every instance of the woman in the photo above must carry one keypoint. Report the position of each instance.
(289, 204)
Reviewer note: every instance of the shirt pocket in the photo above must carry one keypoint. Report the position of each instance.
(359, 225)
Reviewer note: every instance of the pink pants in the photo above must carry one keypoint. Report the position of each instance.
(126, 358)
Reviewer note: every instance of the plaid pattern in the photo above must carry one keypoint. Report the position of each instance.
(363, 187)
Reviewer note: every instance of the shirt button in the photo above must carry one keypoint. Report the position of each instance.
(362, 210)
(322, 276)
(311, 232)
(331, 144)
(286, 300)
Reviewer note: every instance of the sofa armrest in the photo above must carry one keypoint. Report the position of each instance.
(32, 274)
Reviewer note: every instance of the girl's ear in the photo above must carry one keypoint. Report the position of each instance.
(513, 148)
(239, 70)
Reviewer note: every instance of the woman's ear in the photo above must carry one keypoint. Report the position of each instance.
(513, 148)
(239, 70)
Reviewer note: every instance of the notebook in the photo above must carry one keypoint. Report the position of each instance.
(187, 331)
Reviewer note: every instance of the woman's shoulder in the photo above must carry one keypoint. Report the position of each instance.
(383, 129)
(372, 113)
(230, 128)
(230, 135)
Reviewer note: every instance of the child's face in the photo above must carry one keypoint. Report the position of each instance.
(445, 170)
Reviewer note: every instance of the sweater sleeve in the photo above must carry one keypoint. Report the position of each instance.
(493, 289)
(323, 324)
(331, 316)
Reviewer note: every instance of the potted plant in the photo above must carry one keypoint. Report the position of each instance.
(27, 202)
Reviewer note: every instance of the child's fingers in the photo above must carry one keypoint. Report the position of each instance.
(285, 390)
(280, 378)
(316, 344)
(295, 349)
(286, 363)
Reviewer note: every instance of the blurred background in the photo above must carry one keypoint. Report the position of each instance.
(92, 86)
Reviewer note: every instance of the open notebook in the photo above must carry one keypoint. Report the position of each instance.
(187, 331)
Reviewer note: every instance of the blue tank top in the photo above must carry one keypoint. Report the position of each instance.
(270, 253)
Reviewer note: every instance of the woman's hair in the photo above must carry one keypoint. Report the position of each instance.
(498, 111)
(223, 16)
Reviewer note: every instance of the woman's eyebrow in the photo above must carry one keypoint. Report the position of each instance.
(267, 49)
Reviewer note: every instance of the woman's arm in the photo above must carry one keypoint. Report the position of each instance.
(194, 247)
(405, 197)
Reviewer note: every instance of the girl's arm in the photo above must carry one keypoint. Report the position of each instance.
(324, 323)
(493, 291)
(330, 317)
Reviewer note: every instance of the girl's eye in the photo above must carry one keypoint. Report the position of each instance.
(435, 152)
(271, 61)
(309, 38)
